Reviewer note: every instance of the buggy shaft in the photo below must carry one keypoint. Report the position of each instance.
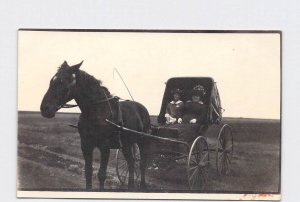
(122, 128)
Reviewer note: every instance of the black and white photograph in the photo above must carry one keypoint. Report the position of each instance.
(149, 114)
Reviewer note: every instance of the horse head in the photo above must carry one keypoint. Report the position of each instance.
(60, 90)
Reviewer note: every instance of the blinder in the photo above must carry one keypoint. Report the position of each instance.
(70, 87)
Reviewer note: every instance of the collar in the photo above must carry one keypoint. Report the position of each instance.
(179, 101)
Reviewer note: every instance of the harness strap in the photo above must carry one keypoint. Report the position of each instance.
(120, 121)
(120, 118)
(111, 112)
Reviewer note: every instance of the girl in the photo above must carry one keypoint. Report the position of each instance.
(195, 109)
(174, 108)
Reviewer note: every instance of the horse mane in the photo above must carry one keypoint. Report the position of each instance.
(91, 79)
(92, 82)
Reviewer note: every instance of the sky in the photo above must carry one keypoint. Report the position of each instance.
(246, 66)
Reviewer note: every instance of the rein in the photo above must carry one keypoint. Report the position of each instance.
(94, 103)
(105, 100)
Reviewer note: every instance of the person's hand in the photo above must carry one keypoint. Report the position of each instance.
(167, 118)
(172, 120)
(193, 121)
(179, 120)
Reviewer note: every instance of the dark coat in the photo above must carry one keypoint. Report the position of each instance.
(194, 110)
(175, 109)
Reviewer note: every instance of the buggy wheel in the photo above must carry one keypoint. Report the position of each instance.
(122, 167)
(224, 150)
(198, 164)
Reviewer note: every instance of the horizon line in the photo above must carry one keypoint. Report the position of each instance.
(27, 111)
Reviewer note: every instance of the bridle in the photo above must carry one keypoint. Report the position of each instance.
(70, 88)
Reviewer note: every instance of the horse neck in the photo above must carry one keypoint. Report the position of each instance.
(89, 91)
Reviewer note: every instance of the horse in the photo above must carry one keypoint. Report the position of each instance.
(97, 105)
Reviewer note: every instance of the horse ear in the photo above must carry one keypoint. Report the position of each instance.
(65, 64)
(76, 67)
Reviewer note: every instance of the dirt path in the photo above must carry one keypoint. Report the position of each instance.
(50, 158)
(43, 169)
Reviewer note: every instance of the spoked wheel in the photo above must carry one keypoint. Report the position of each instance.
(122, 167)
(224, 150)
(198, 164)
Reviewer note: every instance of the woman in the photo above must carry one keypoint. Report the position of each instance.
(174, 108)
(195, 109)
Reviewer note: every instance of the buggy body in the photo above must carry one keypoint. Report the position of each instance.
(211, 140)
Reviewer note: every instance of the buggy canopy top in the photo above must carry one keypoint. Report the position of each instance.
(211, 98)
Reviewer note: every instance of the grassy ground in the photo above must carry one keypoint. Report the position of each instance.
(49, 157)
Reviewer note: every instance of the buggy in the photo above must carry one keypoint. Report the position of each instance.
(208, 138)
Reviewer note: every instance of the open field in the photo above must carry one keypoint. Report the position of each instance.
(49, 158)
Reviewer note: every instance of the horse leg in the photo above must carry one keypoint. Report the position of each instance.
(143, 165)
(88, 158)
(103, 166)
(127, 152)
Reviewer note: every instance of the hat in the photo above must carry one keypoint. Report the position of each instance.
(177, 90)
(198, 90)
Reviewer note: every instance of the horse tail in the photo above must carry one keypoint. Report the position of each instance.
(143, 117)
(141, 114)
